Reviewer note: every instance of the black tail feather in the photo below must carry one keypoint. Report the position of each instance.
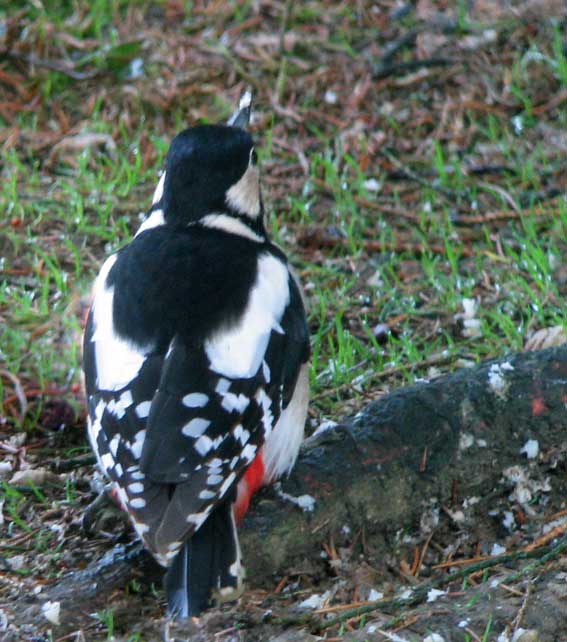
(207, 568)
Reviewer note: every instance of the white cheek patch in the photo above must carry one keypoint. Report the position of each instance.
(117, 361)
(239, 351)
(244, 196)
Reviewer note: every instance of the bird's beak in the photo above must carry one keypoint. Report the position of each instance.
(241, 117)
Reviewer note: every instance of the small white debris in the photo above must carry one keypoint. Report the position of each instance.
(471, 324)
(530, 448)
(407, 594)
(497, 549)
(434, 594)
(33, 476)
(466, 441)
(3, 621)
(305, 502)
(509, 521)
(372, 185)
(5, 468)
(17, 562)
(51, 611)
(496, 380)
(316, 601)
(463, 623)
(374, 595)
(518, 124)
(330, 97)
(434, 637)
(324, 426)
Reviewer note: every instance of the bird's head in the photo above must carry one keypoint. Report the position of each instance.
(212, 170)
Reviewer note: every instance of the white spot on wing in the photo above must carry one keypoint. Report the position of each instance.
(143, 409)
(196, 427)
(232, 402)
(138, 502)
(113, 444)
(239, 351)
(203, 445)
(195, 400)
(138, 443)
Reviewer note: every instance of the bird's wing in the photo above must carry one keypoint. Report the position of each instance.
(217, 402)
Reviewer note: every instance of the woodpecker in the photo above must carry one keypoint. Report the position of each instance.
(196, 355)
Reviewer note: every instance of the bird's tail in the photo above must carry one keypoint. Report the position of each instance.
(208, 568)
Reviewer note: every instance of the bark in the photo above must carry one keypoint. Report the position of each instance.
(381, 471)
(439, 442)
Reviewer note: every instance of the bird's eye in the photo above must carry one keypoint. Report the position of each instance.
(253, 157)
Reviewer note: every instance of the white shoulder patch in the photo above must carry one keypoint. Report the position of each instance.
(117, 361)
(238, 352)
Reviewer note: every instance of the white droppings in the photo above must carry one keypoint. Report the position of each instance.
(143, 409)
(51, 612)
(530, 448)
(196, 427)
(138, 502)
(195, 400)
(203, 445)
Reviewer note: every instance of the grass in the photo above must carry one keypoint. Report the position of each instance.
(393, 196)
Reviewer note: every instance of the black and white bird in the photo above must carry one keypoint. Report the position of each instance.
(196, 363)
